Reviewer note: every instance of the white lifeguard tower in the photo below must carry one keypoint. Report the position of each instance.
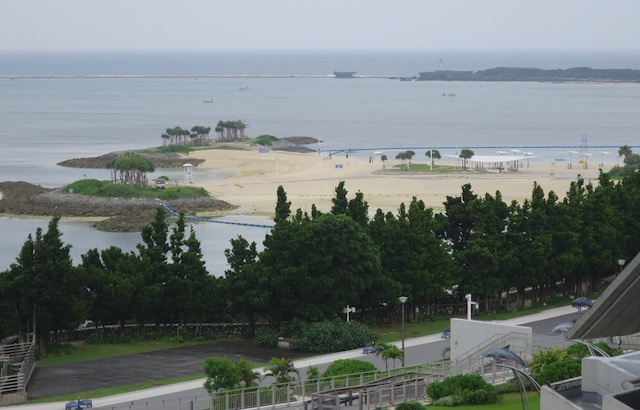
(188, 173)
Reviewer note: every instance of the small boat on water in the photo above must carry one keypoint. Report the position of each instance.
(344, 74)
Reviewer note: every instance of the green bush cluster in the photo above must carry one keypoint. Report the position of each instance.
(94, 187)
(464, 389)
(345, 367)
(265, 140)
(170, 149)
(580, 350)
(64, 349)
(553, 365)
(557, 371)
(266, 337)
(410, 405)
(331, 336)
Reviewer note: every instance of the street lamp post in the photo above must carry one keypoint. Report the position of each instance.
(403, 300)
(621, 263)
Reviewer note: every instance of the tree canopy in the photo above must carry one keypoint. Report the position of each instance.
(313, 265)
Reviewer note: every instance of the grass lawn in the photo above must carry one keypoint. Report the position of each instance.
(393, 332)
(509, 401)
(421, 169)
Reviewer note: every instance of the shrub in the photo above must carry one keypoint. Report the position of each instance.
(448, 401)
(265, 139)
(266, 337)
(543, 358)
(562, 370)
(410, 405)
(331, 336)
(467, 388)
(65, 349)
(348, 366)
(579, 350)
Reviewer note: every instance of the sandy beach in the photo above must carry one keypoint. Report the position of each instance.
(309, 178)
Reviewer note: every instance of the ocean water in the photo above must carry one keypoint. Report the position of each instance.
(59, 106)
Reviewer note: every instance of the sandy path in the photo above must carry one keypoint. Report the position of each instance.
(308, 179)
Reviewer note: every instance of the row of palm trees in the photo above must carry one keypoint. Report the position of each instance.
(432, 154)
(198, 135)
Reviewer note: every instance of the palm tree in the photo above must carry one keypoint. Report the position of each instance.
(625, 151)
(433, 154)
(465, 154)
(248, 376)
(281, 369)
(393, 353)
(403, 156)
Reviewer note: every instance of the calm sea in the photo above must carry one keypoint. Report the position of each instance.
(58, 106)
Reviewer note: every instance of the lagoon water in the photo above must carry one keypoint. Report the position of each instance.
(59, 106)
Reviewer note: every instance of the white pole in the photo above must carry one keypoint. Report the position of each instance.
(468, 297)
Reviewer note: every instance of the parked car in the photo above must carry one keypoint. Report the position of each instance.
(159, 183)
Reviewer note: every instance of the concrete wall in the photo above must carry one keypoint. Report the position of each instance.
(552, 400)
(603, 376)
(467, 335)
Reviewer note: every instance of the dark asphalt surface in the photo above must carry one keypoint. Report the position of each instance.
(142, 367)
(184, 361)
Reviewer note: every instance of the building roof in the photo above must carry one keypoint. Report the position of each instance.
(617, 311)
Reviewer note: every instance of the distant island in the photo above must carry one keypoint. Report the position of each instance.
(577, 74)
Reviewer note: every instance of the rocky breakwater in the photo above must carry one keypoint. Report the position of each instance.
(119, 214)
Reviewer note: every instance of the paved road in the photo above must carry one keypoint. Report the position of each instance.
(418, 350)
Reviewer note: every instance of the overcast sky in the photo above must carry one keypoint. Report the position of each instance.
(580, 25)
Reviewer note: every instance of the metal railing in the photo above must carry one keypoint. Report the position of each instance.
(17, 368)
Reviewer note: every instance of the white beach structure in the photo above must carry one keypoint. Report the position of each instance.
(188, 173)
(497, 163)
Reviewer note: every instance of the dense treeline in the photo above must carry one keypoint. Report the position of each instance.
(314, 264)
(534, 74)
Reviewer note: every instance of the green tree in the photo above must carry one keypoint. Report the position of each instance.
(281, 369)
(315, 268)
(625, 151)
(392, 352)
(403, 157)
(465, 154)
(151, 291)
(200, 134)
(433, 154)
(283, 207)
(47, 289)
(411, 252)
(221, 374)
(190, 282)
(357, 208)
(130, 169)
(110, 277)
(340, 201)
(244, 282)
(248, 376)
